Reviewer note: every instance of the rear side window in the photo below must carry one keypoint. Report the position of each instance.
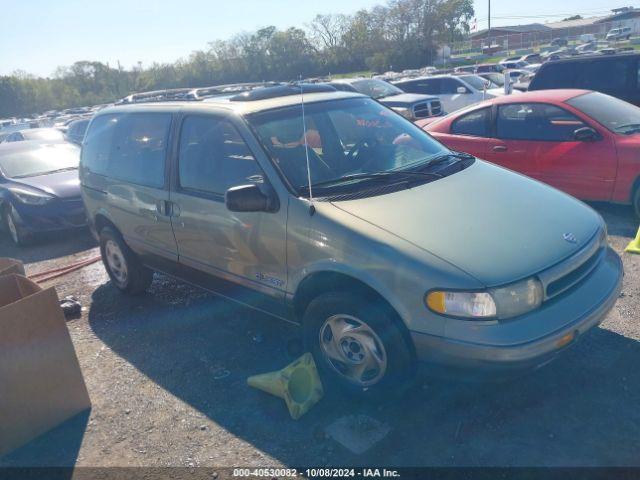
(475, 124)
(213, 156)
(556, 75)
(139, 148)
(611, 76)
(129, 147)
(97, 146)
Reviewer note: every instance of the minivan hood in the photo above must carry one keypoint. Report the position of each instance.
(403, 99)
(61, 184)
(496, 225)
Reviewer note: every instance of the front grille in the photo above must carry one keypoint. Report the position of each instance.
(573, 277)
(571, 271)
(436, 108)
(421, 110)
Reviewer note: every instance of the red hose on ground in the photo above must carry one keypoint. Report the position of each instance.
(47, 275)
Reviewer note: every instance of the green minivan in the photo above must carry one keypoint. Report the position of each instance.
(329, 210)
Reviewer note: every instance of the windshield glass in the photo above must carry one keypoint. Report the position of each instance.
(39, 160)
(495, 78)
(345, 137)
(376, 88)
(43, 134)
(614, 114)
(475, 81)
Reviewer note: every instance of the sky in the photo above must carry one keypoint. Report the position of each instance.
(37, 36)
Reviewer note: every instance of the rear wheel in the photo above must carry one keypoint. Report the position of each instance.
(123, 266)
(357, 344)
(636, 201)
(17, 235)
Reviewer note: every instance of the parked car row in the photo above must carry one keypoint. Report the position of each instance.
(580, 142)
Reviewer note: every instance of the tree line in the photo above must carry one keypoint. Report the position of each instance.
(399, 34)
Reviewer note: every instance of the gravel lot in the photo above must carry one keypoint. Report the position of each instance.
(167, 372)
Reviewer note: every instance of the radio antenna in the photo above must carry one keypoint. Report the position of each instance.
(306, 146)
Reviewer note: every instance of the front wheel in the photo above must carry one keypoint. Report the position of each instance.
(357, 343)
(123, 266)
(636, 201)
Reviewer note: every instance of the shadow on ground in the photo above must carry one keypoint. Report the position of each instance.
(580, 410)
(48, 246)
(58, 447)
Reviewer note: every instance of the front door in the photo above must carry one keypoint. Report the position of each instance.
(543, 135)
(246, 249)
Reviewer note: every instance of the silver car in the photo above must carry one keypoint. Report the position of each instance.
(331, 211)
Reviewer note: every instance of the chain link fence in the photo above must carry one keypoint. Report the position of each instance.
(492, 44)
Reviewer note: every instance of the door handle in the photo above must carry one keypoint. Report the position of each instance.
(167, 208)
(499, 148)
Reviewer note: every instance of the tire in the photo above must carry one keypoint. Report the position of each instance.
(349, 363)
(636, 201)
(17, 235)
(123, 266)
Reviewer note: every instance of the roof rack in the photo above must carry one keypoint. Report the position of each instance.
(157, 96)
(282, 90)
(227, 89)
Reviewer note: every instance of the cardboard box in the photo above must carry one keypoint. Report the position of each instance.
(10, 265)
(41, 384)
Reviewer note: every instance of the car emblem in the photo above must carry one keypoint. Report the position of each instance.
(570, 237)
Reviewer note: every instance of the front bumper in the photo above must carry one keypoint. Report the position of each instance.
(532, 340)
(57, 215)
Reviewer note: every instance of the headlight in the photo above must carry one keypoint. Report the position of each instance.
(404, 111)
(505, 302)
(30, 197)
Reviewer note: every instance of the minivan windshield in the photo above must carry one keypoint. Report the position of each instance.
(475, 81)
(376, 88)
(38, 160)
(614, 114)
(346, 138)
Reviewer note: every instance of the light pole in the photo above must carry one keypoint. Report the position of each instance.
(489, 27)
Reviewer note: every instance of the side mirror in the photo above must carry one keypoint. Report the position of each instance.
(585, 134)
(249, 198)
(461, 90)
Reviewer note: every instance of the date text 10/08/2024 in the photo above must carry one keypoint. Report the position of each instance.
(317, 472)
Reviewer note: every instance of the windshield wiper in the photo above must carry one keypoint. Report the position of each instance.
(382, 176)
(449, 157)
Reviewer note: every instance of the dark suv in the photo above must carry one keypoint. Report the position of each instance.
(615, 75)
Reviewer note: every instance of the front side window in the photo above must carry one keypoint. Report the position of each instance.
(475, 124)
(427, 87)
(450, 86)
(536, 121)
(344, 137)
(213, 156)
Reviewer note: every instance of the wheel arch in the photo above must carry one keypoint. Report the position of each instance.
(102, 220)
(634, 188)
(323, 281)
